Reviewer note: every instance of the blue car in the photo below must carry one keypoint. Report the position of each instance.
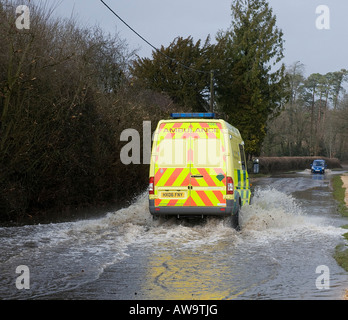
(318, 166)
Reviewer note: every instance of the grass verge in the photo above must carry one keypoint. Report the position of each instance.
(341, 252)
(339, 194)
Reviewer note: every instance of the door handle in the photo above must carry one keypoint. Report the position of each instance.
(197, 176)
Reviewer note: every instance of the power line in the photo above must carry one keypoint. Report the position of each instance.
(151, 45)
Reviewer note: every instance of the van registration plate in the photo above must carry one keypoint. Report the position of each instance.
(172, 195)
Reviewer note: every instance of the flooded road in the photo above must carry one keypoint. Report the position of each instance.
(288, 234)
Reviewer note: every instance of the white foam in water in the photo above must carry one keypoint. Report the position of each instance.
(271, 208)
(274, 214)
(137, 213)
(309, 172)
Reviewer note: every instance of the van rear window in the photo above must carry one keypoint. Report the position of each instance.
(200, 152)
(207, 153)
(172, 153)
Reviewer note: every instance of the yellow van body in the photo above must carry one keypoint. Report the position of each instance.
(197, 168)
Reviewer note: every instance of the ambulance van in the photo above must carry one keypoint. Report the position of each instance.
(198, 168)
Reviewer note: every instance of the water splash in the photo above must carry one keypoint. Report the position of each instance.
(61, 251)
(271, 208)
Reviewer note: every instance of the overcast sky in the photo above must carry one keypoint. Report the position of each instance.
(160, 21)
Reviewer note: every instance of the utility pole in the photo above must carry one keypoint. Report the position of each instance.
(211, 90)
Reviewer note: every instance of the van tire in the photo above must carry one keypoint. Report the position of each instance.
(235, 218)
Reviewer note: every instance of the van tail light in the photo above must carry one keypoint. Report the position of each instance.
(151, 186)
(229, 186)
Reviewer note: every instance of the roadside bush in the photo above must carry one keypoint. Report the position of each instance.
(283, 164)
(65, 98)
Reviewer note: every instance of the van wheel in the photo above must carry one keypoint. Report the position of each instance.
(235, 219)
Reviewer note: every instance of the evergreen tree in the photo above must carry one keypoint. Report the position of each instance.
(249, 91)
(172, 70)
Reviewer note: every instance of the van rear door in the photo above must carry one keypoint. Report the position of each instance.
(208, 165)
(190, 165)
(172, 169)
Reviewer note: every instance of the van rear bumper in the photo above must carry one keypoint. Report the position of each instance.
(192, 211)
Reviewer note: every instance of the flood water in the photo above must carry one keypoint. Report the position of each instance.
(290, 230)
